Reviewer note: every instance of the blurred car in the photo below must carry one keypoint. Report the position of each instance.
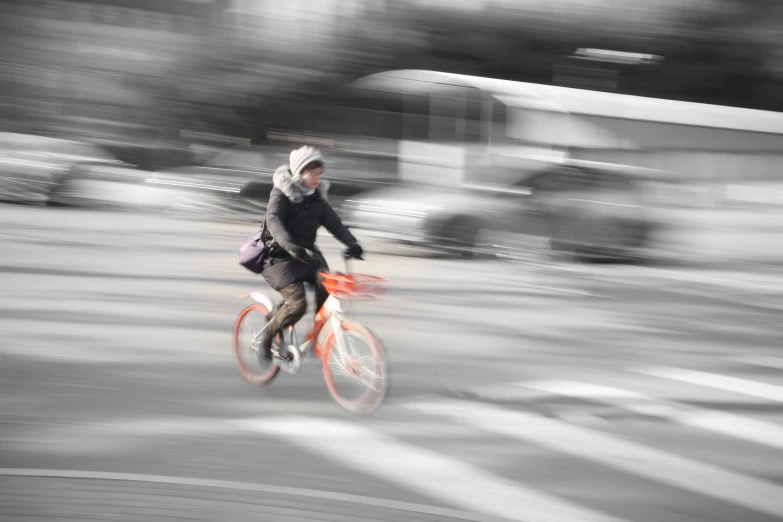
(586, 209)
(33, 168)
(106, 185)
(27, 180)
(218, 188)
(235, 184)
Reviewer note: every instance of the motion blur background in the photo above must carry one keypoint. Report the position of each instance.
(578, 204)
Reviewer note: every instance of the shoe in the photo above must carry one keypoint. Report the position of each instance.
(279, 352)
(273, 350)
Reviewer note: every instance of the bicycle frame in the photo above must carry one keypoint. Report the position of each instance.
(328, 339)
(332, 311)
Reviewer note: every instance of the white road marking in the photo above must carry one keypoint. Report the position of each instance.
(765, 433)
(633, 458)
(110, 435)
(246, 486)
(761, 390)
(760, 360)
(444, 478)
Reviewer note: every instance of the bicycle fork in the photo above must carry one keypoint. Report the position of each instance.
(339, 333)
(343, 347)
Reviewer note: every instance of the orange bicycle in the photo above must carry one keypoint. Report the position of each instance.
(334, 340)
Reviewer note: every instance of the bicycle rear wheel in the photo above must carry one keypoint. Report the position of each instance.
(257, 371)
(365, 366)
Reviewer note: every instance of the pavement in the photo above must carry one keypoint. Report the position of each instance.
(518, 392)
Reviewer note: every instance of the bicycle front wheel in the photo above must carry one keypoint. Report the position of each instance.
(255, 369)
(357, 378)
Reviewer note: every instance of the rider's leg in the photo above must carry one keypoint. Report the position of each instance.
(291, 312)
(321, 295)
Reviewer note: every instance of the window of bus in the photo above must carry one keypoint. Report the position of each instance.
(449, 117)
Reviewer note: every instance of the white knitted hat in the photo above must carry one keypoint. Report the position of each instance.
(302, 157)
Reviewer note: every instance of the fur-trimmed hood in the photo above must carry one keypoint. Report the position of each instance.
(293, 189)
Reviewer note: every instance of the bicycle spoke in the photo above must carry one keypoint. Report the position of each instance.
(375, 376)
(364, 375)
(250, 340)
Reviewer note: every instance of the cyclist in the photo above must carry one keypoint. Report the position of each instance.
(297, 208)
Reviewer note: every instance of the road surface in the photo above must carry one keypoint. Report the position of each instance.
(519, 392)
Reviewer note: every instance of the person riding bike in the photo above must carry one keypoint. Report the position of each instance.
(297, 208)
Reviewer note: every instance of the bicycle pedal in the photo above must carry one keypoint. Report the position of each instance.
(285, 356)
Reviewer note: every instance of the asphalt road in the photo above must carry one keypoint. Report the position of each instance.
(519, 391)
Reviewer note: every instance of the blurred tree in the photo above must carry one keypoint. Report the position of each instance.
(244, 72)
(727, 52)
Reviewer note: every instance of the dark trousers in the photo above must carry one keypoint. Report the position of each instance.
(295, 304)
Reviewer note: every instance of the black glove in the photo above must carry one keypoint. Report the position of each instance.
(354, 250)
(301, 253)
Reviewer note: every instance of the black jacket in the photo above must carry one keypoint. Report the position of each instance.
(292, 216)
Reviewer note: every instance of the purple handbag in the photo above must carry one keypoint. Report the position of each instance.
(253, 253)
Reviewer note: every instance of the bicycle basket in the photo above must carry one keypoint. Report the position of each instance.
(353, 287)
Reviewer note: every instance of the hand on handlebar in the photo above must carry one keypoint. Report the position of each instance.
(354, 251)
